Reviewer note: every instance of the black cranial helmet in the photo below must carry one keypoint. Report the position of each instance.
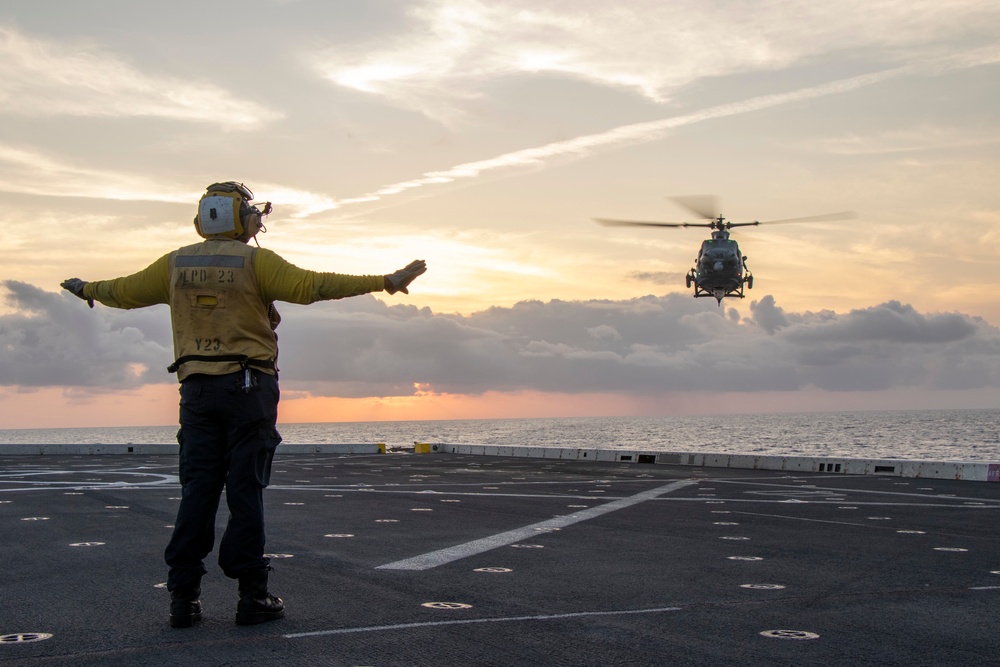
(225, 211)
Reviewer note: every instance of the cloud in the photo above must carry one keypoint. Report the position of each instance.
(540, 157)
(577, 148)
(449, 51)
(49, 341)
(920, 138)
(42, 78)
(32, 172)
(650, 345)
(446, 57)
(657, 277)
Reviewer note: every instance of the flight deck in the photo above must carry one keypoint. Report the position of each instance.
(462, 559)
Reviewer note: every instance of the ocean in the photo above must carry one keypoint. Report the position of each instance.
(946, 435)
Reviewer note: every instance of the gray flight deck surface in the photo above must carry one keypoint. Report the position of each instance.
(441, 559)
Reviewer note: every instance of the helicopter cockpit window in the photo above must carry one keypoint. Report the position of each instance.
(719, 255)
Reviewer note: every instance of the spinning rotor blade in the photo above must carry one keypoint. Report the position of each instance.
(639, 223)
(704, 206)
(842, 215)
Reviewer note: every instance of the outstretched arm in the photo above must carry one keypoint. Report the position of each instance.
(145, 288)
(280, 280)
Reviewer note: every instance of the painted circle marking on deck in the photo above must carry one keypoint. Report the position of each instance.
(493, 569)
(279, 555)
(725, 523)
(421, 509)
(721, 512)
(847, 508)
(386, 520)
(116, 507)
(451, 501)
(333, 495)
(578, 506)
(912, 532)
(956, 549)
(714, 502)
(24, 637)
(174, 498)
(789, 634)
(994, 571)
(763, 587)
(446, 605)
(734, 538)
(87, 544)
(527, 546)
(339, 535)
(543, 529)
(68, 493)
(295, 504)
(749, 558)
(880, 518)
(35, 518)
(491, 488)
(162, 584)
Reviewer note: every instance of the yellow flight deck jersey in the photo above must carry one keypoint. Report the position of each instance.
(221, 295)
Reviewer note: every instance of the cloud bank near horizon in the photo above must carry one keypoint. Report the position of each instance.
(362, 347)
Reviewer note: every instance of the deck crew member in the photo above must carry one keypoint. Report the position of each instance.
(221, 294)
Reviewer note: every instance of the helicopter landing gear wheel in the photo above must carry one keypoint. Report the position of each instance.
(687, 279)
(749, 282)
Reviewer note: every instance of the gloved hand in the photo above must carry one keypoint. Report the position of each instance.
(75, 285)
(397, 282)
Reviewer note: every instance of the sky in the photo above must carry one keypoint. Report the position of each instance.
(485, 138)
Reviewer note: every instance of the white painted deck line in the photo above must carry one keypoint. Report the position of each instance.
(470, 621)
(450, 554)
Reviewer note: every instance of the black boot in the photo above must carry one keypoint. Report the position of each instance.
(256, 605)
(185, 607)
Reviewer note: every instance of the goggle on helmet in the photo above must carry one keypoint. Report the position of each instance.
(225, 210)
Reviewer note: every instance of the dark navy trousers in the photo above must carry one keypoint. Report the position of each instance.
(227, 441)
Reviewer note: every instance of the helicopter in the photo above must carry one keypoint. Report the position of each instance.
(720, 269)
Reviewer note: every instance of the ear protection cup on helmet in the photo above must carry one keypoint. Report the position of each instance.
(219, 214)
(225, 210)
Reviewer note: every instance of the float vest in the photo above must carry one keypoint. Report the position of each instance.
(221, 324)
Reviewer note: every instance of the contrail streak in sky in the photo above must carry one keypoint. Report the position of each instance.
(581, 147)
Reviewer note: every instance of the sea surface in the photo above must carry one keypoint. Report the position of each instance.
(942, 435)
